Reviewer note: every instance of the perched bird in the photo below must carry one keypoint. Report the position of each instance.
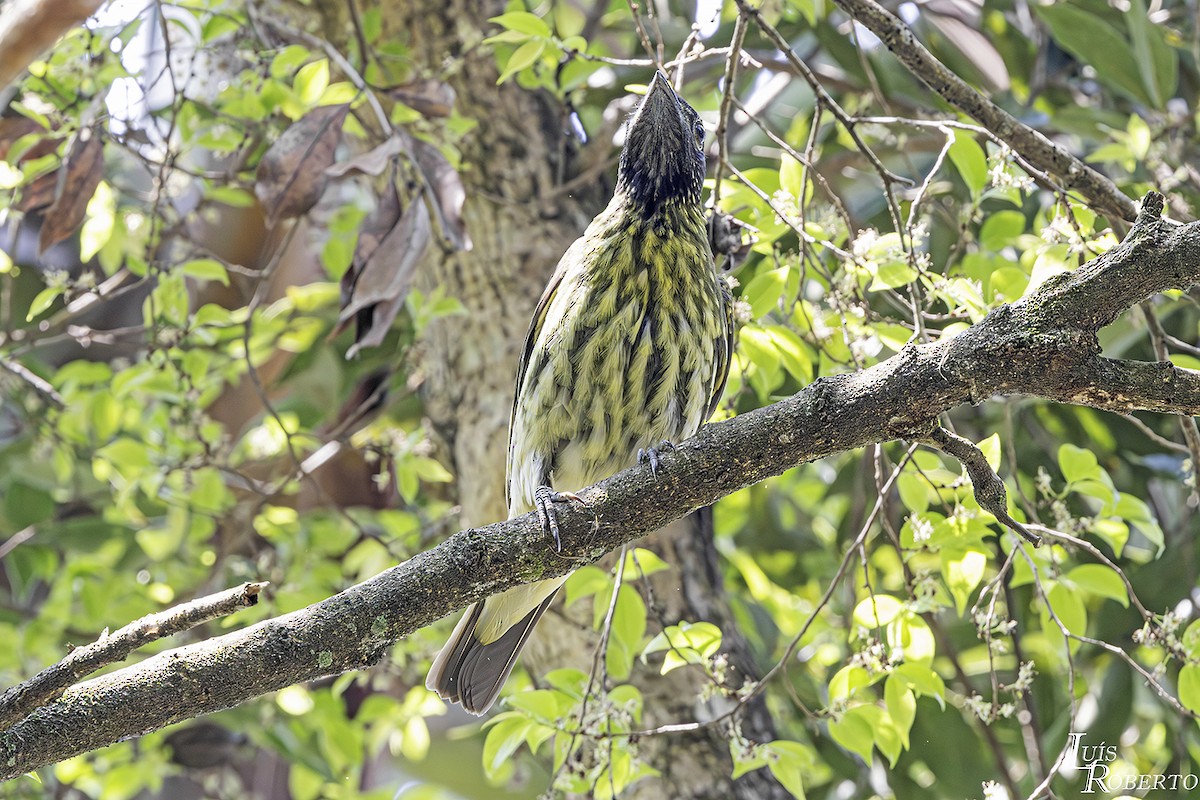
(628, 349)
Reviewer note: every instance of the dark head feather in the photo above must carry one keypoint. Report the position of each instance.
(663, 158)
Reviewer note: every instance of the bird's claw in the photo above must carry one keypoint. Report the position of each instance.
(544, 499)
(649, 455)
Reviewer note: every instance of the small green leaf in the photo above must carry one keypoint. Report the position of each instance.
(1068, 608)
(629, 697)
(547, 704)
(288, 59)
(628, 629)
(746, 759)
(788, 763)
(685, 643)
(970, 161)
(962, 570)
(587, 581)
(1189, 687)
(218, 25)
(1008, 284)
(640, 562)
(991, 451)
(506, 733)
(44, 299)
(901, 705)
(855, 730)
(523, 22)
(846, 681)
(912, 636)
(568, 680)
(921, 679)
(876, 611)
(793, 353)
(1099, 580)
(1191, 640)
(1001, 229)
(1088, 36)
(892, 275)
(205, 269)
(311, 81)
(756, 344)
(1134, 509)
(764, 291)
(1141, 33)
(1077, 464)
(791, 177)
(430, 470)
(524, 56)
(888, 738)
(914, 491)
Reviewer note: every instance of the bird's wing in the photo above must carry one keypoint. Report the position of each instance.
(724, 348)
(535, 328)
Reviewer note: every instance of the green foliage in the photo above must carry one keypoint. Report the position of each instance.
(165, 455)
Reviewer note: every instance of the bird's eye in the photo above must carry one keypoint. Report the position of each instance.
(699, 132)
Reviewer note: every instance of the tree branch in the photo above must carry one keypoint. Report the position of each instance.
(1033, 145)
(985, 483)
(1044, 345)
(22, 699)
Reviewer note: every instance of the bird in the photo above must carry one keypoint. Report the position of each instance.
(627, 354)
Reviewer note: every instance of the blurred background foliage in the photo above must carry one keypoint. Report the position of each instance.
(179, 416)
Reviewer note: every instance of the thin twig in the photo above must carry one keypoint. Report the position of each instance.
(727, 99)
(804, 161)
(989, 490)
(1032, 144)
(340, 61)
(1187, 424)
(1098, 554)
(16, 540)
(36, 382)
(1154, 436)
(783, 215)
(823, 97)
(643, 37)
(790, 651)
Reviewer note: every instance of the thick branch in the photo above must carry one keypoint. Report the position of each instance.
(1032, 347)
(1044, 154)
(50, 683)
(27, 27)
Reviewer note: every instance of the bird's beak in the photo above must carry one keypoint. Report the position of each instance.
(659, 116)
(661, 159)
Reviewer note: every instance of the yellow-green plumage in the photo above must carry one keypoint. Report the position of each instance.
(629, 347)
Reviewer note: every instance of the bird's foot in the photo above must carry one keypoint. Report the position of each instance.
(544, 499)
(649, 455)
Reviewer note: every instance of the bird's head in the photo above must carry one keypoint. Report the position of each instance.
(663, 158)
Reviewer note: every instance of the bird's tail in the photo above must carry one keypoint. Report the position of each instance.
(471, 673)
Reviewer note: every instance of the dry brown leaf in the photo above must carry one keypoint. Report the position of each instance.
(84, 168)
(13, 128)
(378, 224)
(291, 175)
(372, 162)
(429, 97)
(374, 324)
(448, 191)
(382, 284)
(39, 193)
